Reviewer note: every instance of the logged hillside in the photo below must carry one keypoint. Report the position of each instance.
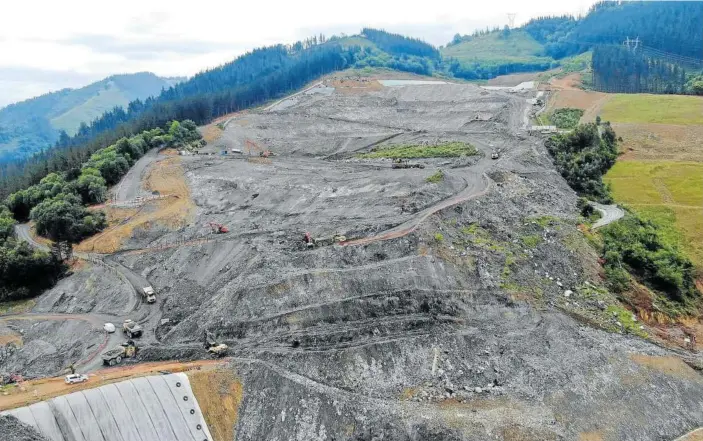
(35, 124)
(496, 53)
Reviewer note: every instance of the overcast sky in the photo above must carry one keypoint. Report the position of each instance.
(46, 45)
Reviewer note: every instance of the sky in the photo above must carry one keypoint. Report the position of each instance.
(47, 45)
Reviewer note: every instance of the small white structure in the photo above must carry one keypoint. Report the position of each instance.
(109, 328)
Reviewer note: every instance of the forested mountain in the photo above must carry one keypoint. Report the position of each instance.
(396, 44)
(35, 124)
(270, 72)
(619, 69)
(485, 55)
(663, 28)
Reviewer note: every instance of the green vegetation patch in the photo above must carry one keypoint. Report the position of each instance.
(497, 47)
(659, 109)
(436, 177)
(636, 246)
(566, 118)
(583, 156)
(628, 321)
(531, 241)
(444, 150)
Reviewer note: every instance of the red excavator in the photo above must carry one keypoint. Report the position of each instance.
(251, 146)
(218, 228)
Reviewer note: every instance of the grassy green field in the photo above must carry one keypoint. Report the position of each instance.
(659, 109)
(446, 150)
(668, 192)
(518, 47)
(92, 108)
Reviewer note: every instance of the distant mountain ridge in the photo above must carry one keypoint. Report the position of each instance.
(35, 124)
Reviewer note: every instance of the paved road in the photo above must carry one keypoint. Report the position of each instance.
(22, 232)
(610, 213)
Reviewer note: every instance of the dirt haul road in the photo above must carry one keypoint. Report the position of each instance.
(130, 186)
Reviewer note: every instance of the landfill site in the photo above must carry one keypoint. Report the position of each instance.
(334, 295)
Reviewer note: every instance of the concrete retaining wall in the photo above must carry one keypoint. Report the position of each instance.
(143, 409)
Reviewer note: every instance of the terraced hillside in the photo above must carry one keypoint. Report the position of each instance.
(443, 306)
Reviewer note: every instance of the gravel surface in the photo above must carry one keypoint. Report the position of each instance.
(14, 430)
(466, 309)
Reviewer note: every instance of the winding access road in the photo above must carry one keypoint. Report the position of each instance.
(147, 315)
(611, 213)
(130, 185)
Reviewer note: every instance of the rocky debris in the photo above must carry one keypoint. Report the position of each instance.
(14, 430)
(454, 331)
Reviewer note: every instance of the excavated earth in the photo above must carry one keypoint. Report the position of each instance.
(478, 318)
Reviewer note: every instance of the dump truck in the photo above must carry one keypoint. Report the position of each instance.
(148, 294)
(213, 346)
(400, 163)
(132, 328)
(116, 355)
(218, 350)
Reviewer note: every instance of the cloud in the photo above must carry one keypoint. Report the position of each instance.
(143, 48)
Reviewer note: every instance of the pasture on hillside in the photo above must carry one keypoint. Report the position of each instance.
(653, 109)
(668, 192)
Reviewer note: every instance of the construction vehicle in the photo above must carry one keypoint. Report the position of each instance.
(495, 154)
(218, 228)
(309, 241)
(116, 355)
(213, 346)
(252, 146)
(132, 328)
(148, 294)
(330, 240)
(403, 163)
(10, 379)
(219, 350)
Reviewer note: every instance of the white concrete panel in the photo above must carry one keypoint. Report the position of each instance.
(157, 408)
(194, 418)
(142, 420)
(170, 406)
(66, 420)
(103, 414)
(123, 417)
(154, 409)
(84, 415)
(25, 415)
(46, 421)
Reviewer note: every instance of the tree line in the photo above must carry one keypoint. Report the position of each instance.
(620, 69)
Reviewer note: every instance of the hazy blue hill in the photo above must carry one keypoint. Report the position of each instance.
(34, 124)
